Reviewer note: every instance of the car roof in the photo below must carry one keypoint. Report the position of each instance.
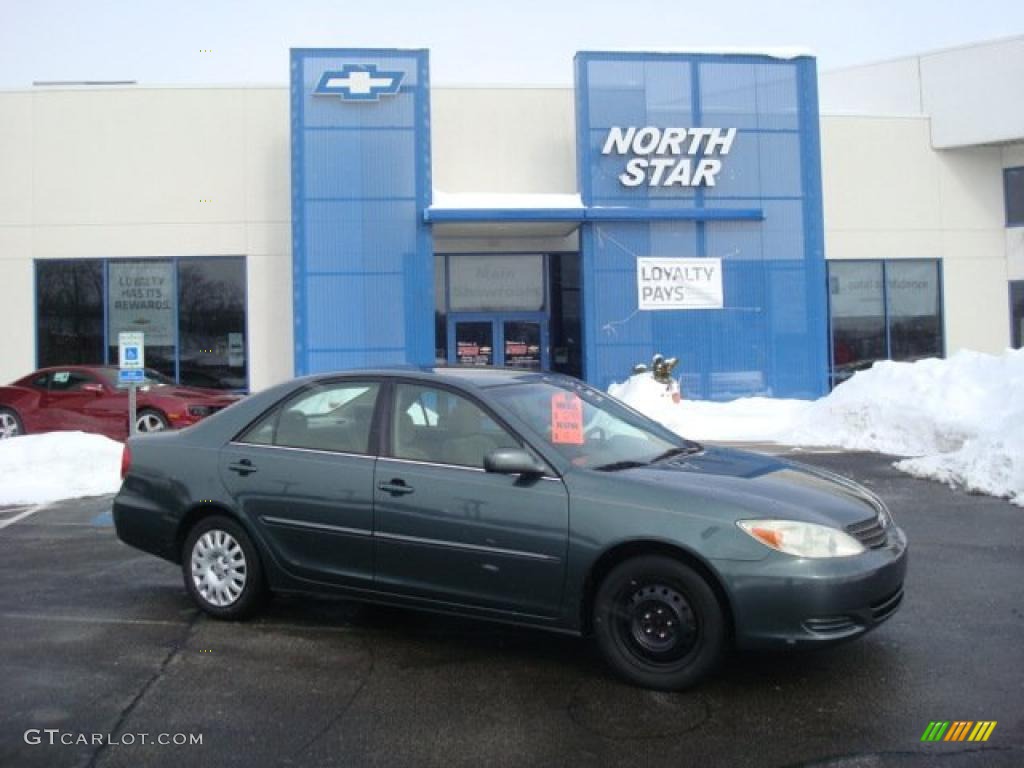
(481, 378)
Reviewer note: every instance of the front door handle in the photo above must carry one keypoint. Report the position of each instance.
(396, 487)
(243, 467)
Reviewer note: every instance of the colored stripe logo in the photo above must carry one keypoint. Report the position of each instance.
(958, 730)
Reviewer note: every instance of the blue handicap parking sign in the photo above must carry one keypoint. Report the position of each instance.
(131, 354)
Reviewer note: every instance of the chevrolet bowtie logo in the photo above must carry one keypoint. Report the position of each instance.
(358, 82)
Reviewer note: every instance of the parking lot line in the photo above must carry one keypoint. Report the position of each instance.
(21, 516)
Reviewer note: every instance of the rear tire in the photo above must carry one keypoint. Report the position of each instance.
(659, 624)
(222, 569)
(10, 424)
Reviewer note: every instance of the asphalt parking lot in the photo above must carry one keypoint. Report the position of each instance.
(99, 638)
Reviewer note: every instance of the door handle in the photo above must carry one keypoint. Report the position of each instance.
(396, 487)
(243, 467)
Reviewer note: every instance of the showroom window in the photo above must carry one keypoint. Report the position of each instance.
(884, 310)
(192, 311)
(1013, 186)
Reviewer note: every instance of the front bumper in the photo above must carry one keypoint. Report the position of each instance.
(785, 601)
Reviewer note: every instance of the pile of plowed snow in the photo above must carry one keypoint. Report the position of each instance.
(960, 419)
(37, 469)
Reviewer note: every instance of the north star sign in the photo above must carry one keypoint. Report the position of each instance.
(358, 82)
(669, 157)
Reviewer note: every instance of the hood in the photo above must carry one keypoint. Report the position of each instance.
(753, 485)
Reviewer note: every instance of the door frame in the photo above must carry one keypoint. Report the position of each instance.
(497, 321)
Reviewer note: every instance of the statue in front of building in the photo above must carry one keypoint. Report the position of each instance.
(661, 369)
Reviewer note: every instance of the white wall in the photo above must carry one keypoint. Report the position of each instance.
(888, 195)
(122, 172)
(503, 139)
(884, 88)
(971, 92)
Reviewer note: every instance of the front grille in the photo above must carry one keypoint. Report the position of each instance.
(869, 532)
(883, 609)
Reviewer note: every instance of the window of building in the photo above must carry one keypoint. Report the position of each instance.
(69, 312)
(884, 310)
(1013, 184)
(192, 311)
(1017, 313)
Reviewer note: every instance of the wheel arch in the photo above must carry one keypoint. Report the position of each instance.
(626, 550)
(194, 515)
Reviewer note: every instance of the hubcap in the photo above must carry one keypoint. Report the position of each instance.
(8, 426)
(149, 422)
(218, 568)
(659, 622)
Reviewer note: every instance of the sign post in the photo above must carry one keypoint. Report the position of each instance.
(131, 348)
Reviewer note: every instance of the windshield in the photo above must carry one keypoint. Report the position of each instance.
(153, 378)
(588, 427)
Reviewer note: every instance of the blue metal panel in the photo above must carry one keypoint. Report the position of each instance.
(362, 253)
(763, 218)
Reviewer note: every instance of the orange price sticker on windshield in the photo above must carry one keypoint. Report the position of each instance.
(566, 419)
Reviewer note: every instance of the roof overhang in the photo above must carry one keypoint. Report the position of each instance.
(546, 215)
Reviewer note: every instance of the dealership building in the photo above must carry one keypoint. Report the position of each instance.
(772, 227)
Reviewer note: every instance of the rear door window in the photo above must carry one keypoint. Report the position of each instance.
(336, 417)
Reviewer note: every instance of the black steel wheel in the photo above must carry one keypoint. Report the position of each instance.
(658, 623)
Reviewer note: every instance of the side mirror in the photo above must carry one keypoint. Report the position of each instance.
(96, 389)
(512, 461)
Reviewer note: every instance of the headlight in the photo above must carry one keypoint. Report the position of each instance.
(802, 539)
(200, 410)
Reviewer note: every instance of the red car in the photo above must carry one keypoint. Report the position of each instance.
(87, 398)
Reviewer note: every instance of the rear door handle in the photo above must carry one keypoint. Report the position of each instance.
(243, 467)
(396, 487)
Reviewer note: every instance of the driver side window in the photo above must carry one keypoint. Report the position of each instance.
(441, 427)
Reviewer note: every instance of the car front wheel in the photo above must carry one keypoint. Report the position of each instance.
(222, 569)
(658, 623)
(150, 421)
(10, 424)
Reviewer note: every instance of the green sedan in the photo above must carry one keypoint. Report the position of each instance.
(518, 497)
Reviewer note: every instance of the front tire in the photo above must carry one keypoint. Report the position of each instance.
(222, 569)
(10, 424)
(659, 624)
(148, 420)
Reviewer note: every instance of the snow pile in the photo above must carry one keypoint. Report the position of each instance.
(37, 469)
(756, 419)
(961, 418)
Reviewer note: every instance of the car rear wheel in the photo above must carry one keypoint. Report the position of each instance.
(150, 421)
(10, 424)
(222, 569)
(658, 623)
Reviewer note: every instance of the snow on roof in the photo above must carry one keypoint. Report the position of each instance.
(778, 52)
(505, 200)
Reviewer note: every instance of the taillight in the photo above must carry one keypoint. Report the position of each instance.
(126, 460)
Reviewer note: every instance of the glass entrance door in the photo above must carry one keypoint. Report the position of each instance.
(510, 340)
(474, 343)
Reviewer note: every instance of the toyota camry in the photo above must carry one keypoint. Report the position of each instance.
(519, 497)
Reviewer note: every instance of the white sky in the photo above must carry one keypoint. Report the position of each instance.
(470, 41)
